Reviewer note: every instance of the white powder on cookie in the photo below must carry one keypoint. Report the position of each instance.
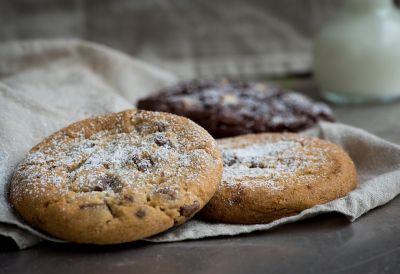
(267, 164)
(135, 160)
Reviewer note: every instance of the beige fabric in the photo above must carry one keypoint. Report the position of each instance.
(45, 85)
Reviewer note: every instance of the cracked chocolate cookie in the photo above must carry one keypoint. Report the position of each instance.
(271, 176)
(117, 178)
(227, 108)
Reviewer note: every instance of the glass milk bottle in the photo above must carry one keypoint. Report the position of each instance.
(357, 56)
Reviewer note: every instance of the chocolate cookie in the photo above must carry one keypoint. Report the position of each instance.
(117, 178)
(271, 176)
(232, 108)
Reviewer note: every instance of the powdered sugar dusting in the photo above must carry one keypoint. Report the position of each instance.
(111, 161)
(271, 164)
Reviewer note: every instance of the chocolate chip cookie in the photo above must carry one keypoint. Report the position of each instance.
(117, 178)
(271, 176)
(228, 108)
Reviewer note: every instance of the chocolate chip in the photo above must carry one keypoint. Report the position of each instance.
(160, 140)
(161, 127)
(259, 165)
(108, 182)
(253, 165)
(144, 165)
(229, 159)
(140, 213)
(135, 158)
(188, 210)
(98, 188)
(141, 164)
(90, 144)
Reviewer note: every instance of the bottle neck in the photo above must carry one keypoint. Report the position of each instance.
(368, 6)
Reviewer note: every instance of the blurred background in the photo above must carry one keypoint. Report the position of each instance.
(252, 38)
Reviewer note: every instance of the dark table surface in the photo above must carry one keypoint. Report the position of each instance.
(324, 244)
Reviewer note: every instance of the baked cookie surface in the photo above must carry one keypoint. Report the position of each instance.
(117, 178)
(271, 176)
(228, 108)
